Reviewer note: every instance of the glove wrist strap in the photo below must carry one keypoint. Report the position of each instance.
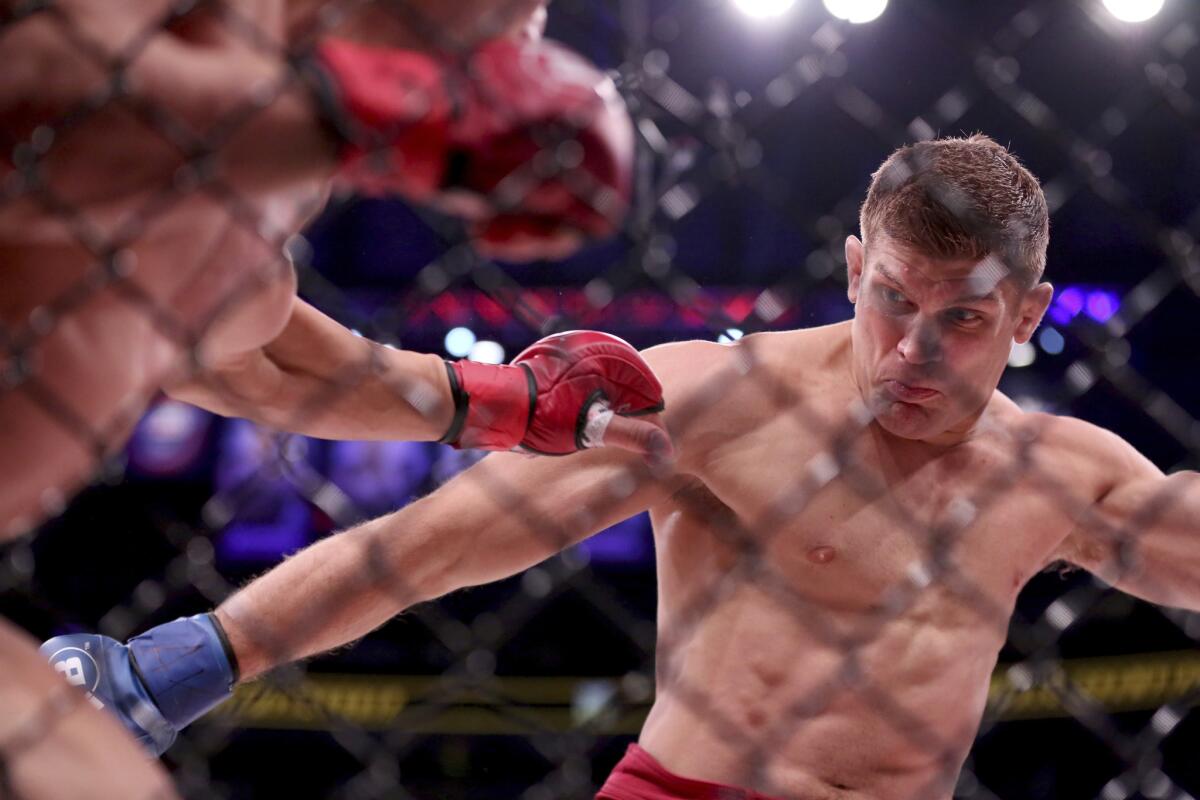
(184, 666)
(493, 405)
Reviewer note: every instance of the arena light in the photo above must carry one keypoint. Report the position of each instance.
(169, 439)
(764, 9)
(857, 11)
(1022, 355)
(487, 352)
(1067, 305)
(730, 335)
(459, 341)
(1098, 304)
(1102, 305)
(1051, 341)
(1134, 10)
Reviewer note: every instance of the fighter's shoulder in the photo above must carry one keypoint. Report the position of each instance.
(692, 373)
(688, 364)
(1071, 433)
(673, 357)
(1074, 448)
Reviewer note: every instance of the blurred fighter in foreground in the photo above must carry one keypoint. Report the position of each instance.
(840, 544)
(155, 162)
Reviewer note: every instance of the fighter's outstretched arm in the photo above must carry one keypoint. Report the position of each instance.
(1143, 534)
(498, 518)
(320, 379)
(505, 514)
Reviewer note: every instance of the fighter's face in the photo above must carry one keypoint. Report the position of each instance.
(932, 336)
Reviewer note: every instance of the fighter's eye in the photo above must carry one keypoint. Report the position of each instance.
(892, 296)
(964, 315)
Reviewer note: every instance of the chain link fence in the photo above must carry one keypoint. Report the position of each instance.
(755, 146)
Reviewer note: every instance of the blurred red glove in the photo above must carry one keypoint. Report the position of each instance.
(524, 137)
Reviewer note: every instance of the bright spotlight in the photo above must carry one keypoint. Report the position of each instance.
(459, 341)
(1022, 355)
(1133, 10)
(856, 10)
(730, 335)
(763, 9)
(487, 352)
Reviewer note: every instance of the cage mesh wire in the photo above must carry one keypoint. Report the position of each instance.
(696, 142)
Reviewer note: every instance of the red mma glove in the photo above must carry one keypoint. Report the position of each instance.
(524, 137)
(558, 396)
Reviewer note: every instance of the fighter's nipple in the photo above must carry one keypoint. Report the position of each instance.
(822, 555)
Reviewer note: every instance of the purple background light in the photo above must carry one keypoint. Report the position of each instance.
(1102, 305)
(1098, 304)
(1067, 305)
(169, 439)
(628, 542)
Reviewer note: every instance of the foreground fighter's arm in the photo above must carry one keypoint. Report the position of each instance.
(320, 379)
(1142, 535)
(447, 125)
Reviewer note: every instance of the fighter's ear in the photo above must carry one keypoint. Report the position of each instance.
(854, 266)
(1030, 310)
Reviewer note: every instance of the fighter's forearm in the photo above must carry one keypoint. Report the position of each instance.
(502, 516)
(320, 379)
(379, 394)
(336, 591)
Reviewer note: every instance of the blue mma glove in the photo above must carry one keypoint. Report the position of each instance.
(157, 684)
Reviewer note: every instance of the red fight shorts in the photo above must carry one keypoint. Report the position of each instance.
(639, 777)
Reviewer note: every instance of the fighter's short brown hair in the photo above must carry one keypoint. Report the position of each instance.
(961, 198)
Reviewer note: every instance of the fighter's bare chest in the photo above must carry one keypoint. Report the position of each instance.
(852, 525)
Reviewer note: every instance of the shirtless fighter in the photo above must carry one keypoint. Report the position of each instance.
(141, 230)
(840, 541)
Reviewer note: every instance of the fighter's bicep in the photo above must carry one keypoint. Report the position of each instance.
(314, 341)
(251, 380)
(1120, 479)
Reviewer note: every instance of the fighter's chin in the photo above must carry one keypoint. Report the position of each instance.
(908, 420)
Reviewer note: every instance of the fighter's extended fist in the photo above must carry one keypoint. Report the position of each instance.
(561, 394)
(156, 684)
(525, 137)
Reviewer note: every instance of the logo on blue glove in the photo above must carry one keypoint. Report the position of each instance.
(80, 669)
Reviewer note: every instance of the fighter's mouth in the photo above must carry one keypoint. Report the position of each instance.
(909, 393)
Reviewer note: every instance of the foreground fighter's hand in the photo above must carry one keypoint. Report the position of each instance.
(523, 137)
(564, 393)
(158, 683)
